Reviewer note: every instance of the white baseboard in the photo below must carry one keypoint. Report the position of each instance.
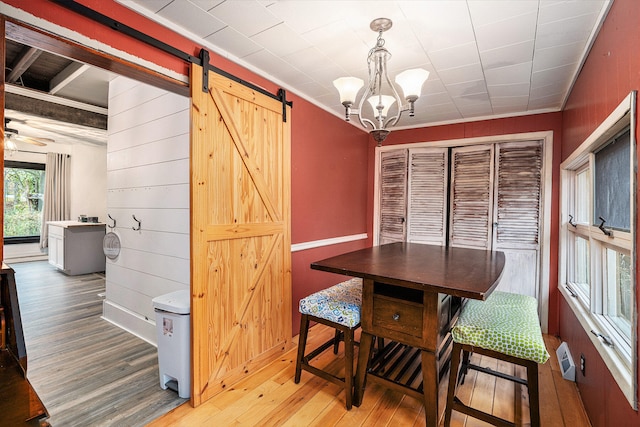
(130, 322)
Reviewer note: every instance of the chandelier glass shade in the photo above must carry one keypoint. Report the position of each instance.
(380, 92)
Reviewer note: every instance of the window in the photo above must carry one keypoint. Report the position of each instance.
(23, 200)
(597, 251)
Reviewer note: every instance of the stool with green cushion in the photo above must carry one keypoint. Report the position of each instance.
(505, 327)
(338, 307)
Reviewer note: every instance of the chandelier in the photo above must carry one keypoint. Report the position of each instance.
(380, 92)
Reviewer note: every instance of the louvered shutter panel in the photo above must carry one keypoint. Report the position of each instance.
(471, 197)
(393, 198)
(517, 208)
(427, 196)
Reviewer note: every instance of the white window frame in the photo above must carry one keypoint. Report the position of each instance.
(590, 310)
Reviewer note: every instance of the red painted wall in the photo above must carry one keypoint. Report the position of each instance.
(611, 71)
(534, 123)
(328, 156)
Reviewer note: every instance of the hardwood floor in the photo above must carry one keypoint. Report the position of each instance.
(271, 398)
(87, 371)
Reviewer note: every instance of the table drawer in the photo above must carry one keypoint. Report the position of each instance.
(397, 315)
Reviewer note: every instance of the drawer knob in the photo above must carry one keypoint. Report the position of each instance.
(396, 317)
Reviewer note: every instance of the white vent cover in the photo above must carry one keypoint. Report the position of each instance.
(567, 367)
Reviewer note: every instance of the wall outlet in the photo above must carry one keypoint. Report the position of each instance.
(582, 363)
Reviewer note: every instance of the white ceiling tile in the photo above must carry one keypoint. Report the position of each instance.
(233, 42)
(518, 29)
(439, 24)
(566, 31)
(472, 48)
(248, 17)
(455, 56)
(280, 40)
(550, 76)
(466, 88)
(151, 5)
(471, 99)
(504, 101)
(277, 68)
(476, 110)
(518, 89)
(558, 10)
(557, 56)
(519, 73)
(558, 87)
(205, 5)
(491, 12)
(190, 17)
(468, 73)
(552, 102)
(507, 55)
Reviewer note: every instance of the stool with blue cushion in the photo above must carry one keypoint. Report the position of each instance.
(337, 307)
(505, 327)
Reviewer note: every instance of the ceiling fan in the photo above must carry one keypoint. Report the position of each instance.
(14, 135)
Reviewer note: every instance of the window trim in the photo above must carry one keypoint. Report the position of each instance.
(623, 367)
(16, 240)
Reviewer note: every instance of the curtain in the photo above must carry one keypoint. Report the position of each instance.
(56, 193)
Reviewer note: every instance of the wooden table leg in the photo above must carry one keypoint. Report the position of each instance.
(361, 371)
(430, 388)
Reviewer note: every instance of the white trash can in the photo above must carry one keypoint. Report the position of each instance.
(172, 323)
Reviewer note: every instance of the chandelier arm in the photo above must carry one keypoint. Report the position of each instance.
(363, 120)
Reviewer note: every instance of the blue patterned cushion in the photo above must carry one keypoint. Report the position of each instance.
(507, 323)
(339, 303)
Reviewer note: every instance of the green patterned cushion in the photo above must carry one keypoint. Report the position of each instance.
(506, 323)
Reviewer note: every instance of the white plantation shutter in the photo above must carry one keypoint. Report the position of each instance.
(393, 200)
(471, 197)
(517, 207)
(427, 195)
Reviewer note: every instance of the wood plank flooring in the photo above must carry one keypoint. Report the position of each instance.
(87, 371)
(91, 373)
(271, 398)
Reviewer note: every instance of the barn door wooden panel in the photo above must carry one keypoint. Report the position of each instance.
(427, 196)
(240, 233)
(516, 214)
(393, 199)
(471, 197)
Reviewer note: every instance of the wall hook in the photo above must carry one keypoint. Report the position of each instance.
(114, 222)
(603, 228)
(139, 223)
(571, 221)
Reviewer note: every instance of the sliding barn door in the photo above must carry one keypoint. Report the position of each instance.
(240, 233)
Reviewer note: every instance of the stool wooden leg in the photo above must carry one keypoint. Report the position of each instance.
(348, 368)
(302, 344)
(339, 336)
(534, 398)
(453, 381)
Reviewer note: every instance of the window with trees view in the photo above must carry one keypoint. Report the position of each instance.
(23, 200)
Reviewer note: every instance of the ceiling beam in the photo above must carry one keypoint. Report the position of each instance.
(23, 61)
(66, 76)
(58, 112)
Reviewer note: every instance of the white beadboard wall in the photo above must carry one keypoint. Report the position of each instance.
(147, 176)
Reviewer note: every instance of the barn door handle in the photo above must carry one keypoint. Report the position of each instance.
(603, 228)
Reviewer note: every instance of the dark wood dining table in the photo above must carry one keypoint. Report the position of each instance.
(412, 294)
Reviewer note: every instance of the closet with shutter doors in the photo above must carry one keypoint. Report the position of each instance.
(477, 196)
